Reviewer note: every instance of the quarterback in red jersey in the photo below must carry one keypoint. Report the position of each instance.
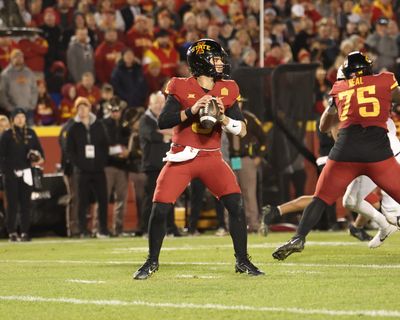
(360, 104)
(195, 150)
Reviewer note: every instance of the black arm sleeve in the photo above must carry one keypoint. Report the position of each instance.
(234, 112)
(171, 113)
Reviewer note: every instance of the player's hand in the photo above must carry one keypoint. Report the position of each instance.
(202, 102)
(221, 108)
(257, 161)
(124, 154)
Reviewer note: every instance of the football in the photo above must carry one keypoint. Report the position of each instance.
(209, 114)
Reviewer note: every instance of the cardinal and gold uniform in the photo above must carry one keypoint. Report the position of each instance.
(208, 165)
(363, 146)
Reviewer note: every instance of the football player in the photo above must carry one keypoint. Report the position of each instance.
(195, 150)
(358, 198)
(360, 104)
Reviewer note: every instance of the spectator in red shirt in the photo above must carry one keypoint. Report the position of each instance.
(382, 8)
(275, 56)
(164, 52)
(107, 55)
(139, 37)
(6, 46)
(67, 107)
(86, 88)
(34, 49)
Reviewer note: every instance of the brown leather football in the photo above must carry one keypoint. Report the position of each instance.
(209, 114)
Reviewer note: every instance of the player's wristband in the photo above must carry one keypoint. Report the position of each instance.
(188, 113)
(331, 106)
(332, 110)
(233, 126)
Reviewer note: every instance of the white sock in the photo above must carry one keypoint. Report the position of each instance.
(366, 209)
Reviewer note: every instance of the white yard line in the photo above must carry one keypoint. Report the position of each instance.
(193, 276)
(229, 246)
(202, 263)
(209, 306)
(85, 281)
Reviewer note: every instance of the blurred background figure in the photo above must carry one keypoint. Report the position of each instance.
(18, 86)
(4, 125)
(116, 169)
(20, 151)
(87, 148)
(247, 154)
(154, 144)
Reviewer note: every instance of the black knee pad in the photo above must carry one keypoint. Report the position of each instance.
(160, 211)
(233, 203)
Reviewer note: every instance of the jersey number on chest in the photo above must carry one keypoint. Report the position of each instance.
(371, 106)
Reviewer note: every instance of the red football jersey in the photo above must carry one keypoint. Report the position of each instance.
(187, 91)
(365, 101)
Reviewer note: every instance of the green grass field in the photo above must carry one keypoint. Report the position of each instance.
(334, 277)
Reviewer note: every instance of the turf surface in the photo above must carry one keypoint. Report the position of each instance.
(336, 277)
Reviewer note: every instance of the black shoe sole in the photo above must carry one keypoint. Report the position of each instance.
(238, 270)
(135, 277)
(282, 254)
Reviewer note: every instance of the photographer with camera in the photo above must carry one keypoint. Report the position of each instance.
(20, 152)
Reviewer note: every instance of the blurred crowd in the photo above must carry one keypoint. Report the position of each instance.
(135, 46)
(110, 60)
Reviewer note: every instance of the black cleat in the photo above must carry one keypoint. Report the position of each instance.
(359, 233)
(296, 244)
(13, 237)
(146, 270)
(25, 237)
(270, 214)
(245, 266)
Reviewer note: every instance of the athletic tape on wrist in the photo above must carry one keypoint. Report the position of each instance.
(233, 126)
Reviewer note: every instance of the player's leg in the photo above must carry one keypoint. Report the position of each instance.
(271, 214)
(382, 174)
(356, 228)
(331, 184)
(354, 200)
(221, 181)
(391, 209)
(385, 174)
(171, 182)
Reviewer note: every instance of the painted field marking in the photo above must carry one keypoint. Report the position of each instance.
(190, 276)
(85, 281)
(230, 246)
(201, 263)
(208, 306)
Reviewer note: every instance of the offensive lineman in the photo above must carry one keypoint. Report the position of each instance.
(361, 106)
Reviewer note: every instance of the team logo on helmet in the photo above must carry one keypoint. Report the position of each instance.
(200, 47)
